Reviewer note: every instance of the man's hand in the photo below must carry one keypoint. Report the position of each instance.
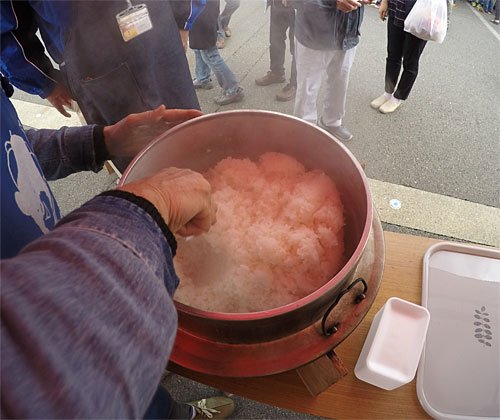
(59, 97)
(183, 198)
(347, 5)
(127, 137)
(184, 38)
(382, 11)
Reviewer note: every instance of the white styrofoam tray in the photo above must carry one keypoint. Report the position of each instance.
(459, 372)
(392, 348)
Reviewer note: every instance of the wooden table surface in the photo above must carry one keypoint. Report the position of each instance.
(349, 398)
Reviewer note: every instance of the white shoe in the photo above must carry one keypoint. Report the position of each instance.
(378, 102)
(390, 106)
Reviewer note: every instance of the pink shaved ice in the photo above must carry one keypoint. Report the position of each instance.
(279, 236)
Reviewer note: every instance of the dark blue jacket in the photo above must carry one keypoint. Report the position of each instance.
(203, 34)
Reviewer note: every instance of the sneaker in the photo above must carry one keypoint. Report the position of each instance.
(496, 22)
(390, 106)
(213, 408)
(287, 93)
(220, 43)
(340, 133)
(270, 78)
(378, 102)
(227, 32)
(205, 85)
(229, 98)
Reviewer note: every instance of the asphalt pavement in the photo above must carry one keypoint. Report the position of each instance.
(442, 144)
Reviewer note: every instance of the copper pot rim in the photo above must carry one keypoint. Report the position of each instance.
(348, 266)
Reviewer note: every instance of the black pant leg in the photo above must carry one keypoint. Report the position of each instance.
(412, 51)
(277, 39)
(395, 46)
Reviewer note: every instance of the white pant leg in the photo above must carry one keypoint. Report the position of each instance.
(310, 67)
(337, 74)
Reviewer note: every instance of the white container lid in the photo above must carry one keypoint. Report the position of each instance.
(459, 373)
(392, 348)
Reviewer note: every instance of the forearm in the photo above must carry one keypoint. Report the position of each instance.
(68, 150)
(88, 319)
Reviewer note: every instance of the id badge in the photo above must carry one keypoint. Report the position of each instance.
(134, 21)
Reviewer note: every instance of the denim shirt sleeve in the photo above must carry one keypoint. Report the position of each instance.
(88, 321)
(64, 151)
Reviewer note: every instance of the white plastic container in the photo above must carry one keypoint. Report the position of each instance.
(459, 372)
(392, 349)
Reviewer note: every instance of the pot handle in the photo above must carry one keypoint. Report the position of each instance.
(332, 330)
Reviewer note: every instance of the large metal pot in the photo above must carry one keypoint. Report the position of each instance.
(200, 143)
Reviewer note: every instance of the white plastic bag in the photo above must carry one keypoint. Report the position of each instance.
(428, 20)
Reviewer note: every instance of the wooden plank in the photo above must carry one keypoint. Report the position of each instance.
(349, 398)
(322, 373)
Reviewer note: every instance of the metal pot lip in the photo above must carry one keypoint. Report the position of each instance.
(274, 312)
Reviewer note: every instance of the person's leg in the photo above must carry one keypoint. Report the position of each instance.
(310, 67)
(337, 81)
(225, 77)
(289, 91)
(413, 48)
(220, 31)
(277, 39)
(225, 16)
(291, 37)
(497, 12)
(202, 70)
(395, 46)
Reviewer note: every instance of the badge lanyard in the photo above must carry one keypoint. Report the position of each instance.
(134, 21)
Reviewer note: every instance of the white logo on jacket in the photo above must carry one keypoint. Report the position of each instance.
(33, 197)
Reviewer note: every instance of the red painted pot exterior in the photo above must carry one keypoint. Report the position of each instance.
(201, 143)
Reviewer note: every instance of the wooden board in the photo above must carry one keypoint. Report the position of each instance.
(349, 398)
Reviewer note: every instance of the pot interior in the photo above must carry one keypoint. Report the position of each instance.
(201, 143)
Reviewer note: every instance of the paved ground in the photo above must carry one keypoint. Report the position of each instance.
(443, 140)
(439, 154)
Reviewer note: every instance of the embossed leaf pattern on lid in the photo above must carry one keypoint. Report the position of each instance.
(484, 333)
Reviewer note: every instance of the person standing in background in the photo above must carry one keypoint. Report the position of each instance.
(223, 30)
(326, 33)
(115, 57)
(202, 39)
(282, 20)
(496, 21)
(488, 6)
(402, 48)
